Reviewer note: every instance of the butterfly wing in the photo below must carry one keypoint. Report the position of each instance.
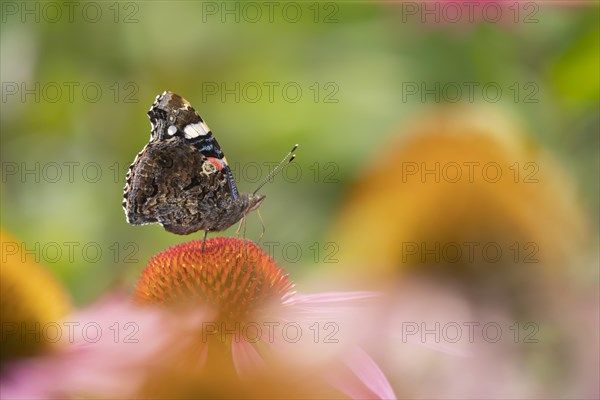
(180, 179)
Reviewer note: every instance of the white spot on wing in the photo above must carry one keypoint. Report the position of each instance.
(195, 130)
(172, 130)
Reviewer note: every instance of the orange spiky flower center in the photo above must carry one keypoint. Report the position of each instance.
(232, 276)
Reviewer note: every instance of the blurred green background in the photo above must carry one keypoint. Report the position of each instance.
(76, 86)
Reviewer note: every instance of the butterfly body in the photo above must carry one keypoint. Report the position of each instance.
(181, 179)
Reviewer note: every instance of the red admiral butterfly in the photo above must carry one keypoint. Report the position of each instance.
(181, 179)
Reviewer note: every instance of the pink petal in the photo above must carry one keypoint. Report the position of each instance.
(112, 364)
(360, 377)
(246, 359)
(332, 306)
(202, 357)
(332, 297)
(318, 328)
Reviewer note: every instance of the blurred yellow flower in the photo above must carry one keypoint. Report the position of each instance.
(465, 193)
(32, 303)
(474, 225)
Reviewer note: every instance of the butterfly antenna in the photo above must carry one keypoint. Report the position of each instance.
(278, 168)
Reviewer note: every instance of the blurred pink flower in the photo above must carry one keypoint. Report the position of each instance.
(219, 323)
(459, 15)
(441, 344)
(104, 347)
(259, 319)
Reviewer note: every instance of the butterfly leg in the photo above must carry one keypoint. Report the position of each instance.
(243, 226)
(244, 230)
(262, 223)
(204, 240)
(237, 231)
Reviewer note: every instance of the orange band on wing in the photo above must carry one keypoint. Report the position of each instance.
(219, 164)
